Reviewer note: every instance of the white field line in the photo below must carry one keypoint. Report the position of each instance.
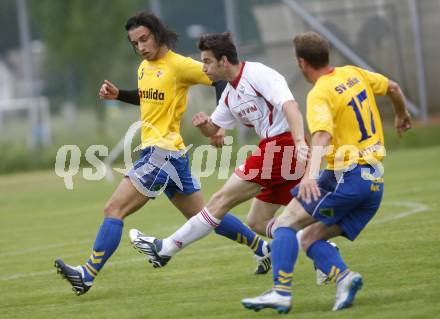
(53, 271)
(408, 208)
(73, 243)
(110, 264)
(41, 248)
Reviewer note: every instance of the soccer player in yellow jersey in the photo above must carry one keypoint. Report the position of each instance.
(345, 124)
(164, 78)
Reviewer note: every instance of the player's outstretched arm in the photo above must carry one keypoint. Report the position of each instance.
(205, 125)
(109, 91)
(402, 120)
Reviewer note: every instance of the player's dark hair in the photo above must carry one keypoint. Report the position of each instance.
(161, 33)
(221, 44)
(313, 48)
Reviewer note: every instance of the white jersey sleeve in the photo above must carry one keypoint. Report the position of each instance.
(222, 115)
(271, 85)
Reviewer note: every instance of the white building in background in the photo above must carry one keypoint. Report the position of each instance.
(6, 82)
(16, 65)
(34, 126)
(6, 88)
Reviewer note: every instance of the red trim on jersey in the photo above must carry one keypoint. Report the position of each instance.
(258, 93)
(269, 105)
(226, 100)
(234, 83)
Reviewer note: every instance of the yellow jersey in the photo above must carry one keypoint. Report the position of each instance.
(163, 90)
(342, 103)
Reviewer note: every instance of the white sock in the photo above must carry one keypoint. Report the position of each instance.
(269, 228)
(194, 229)
(299, 237)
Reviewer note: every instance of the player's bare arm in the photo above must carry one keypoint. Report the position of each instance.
(402, 121)
(308, 187)
(296, 124)
(204, 123)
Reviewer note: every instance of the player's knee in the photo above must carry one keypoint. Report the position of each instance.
(287, 219)
(256, 224)
(252, 222)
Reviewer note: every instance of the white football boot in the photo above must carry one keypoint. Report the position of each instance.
(269, 299)
(346, 290)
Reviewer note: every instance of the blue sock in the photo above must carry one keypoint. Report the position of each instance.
(106, 242)
(284, 249)
(327, 258)
(233, 228)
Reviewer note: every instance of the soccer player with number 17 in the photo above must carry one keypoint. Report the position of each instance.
(342, 115)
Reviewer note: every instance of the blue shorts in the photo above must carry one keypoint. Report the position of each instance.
(349, 199)
(160, 170)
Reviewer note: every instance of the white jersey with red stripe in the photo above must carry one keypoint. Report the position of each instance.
(255, 98)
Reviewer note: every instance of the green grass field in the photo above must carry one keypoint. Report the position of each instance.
(398, 255)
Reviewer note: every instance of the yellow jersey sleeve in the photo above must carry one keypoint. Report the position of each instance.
(378, 82)
(191, 72)
(319, 115)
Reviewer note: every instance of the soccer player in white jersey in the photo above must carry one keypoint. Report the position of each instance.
(255, 96)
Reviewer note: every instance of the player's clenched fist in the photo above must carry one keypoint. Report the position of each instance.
(200, 119)
(402, 122)
(108, 91)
